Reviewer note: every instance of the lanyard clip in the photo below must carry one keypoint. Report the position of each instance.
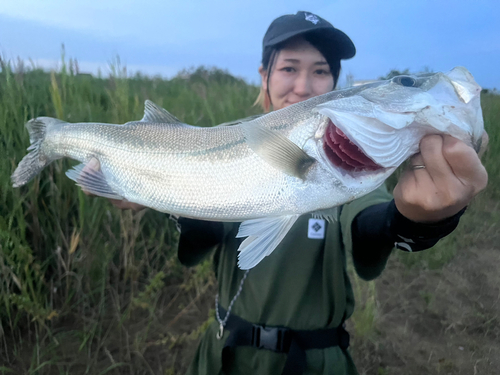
(220, 333)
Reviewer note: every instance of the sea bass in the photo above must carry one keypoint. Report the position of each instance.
(264, 171)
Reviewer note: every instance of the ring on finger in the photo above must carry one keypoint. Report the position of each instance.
(415, 167)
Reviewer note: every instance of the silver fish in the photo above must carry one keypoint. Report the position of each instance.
(265, 171)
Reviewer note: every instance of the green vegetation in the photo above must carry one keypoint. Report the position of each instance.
(86, 288)
(81, 281)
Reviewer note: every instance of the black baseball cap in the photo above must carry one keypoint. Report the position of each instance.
(290, 25)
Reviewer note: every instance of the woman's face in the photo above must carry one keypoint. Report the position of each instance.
(300, 72)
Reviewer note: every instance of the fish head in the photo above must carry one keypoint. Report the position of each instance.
(368, 134)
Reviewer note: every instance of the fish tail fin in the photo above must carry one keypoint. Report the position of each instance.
(36, 160)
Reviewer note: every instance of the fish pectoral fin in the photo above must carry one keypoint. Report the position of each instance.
(92, 181)
(263, 236)
(277, 150)
(156, 114)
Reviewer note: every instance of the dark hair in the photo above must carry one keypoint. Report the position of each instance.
(314, 38)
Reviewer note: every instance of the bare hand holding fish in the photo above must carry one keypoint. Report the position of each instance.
(267, 171)
(452, 176)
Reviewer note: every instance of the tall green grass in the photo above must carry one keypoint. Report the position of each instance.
(80, 280)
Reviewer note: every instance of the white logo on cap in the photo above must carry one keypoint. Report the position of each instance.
(312, 18)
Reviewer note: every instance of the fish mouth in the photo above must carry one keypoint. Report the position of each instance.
(343, 153)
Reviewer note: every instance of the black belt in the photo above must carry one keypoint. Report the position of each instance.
(280, 340)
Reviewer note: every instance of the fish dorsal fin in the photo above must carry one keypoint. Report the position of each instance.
(277, 150)
(242, 120)
(153, 113)
(263, 236)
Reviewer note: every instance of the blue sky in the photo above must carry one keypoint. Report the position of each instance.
(163, 37)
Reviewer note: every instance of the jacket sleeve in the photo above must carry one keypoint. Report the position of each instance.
(379, 228)
(197, 239)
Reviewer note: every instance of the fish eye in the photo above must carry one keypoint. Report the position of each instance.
(405, 81)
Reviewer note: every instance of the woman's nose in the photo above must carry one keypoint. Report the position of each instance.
(302, 85)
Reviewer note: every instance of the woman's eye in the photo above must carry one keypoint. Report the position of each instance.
(322, 72)
(288, 69)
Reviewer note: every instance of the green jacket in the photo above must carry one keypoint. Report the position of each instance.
(302, 285)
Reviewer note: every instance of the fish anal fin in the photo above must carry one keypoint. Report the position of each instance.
(92, 181)
(330, 214)
(277, 150)
(156, 114)
(263, 236)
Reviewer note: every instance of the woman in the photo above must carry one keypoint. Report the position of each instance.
(286, 314)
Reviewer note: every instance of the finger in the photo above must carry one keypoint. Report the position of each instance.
(421, 177)
(465, 163)
(416, 160)
(120, 203)
(431, 149)
(126, 205)
(93, 164)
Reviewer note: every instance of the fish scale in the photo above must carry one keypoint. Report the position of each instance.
(263, 171)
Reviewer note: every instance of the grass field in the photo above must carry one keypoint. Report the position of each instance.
(89, 289)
